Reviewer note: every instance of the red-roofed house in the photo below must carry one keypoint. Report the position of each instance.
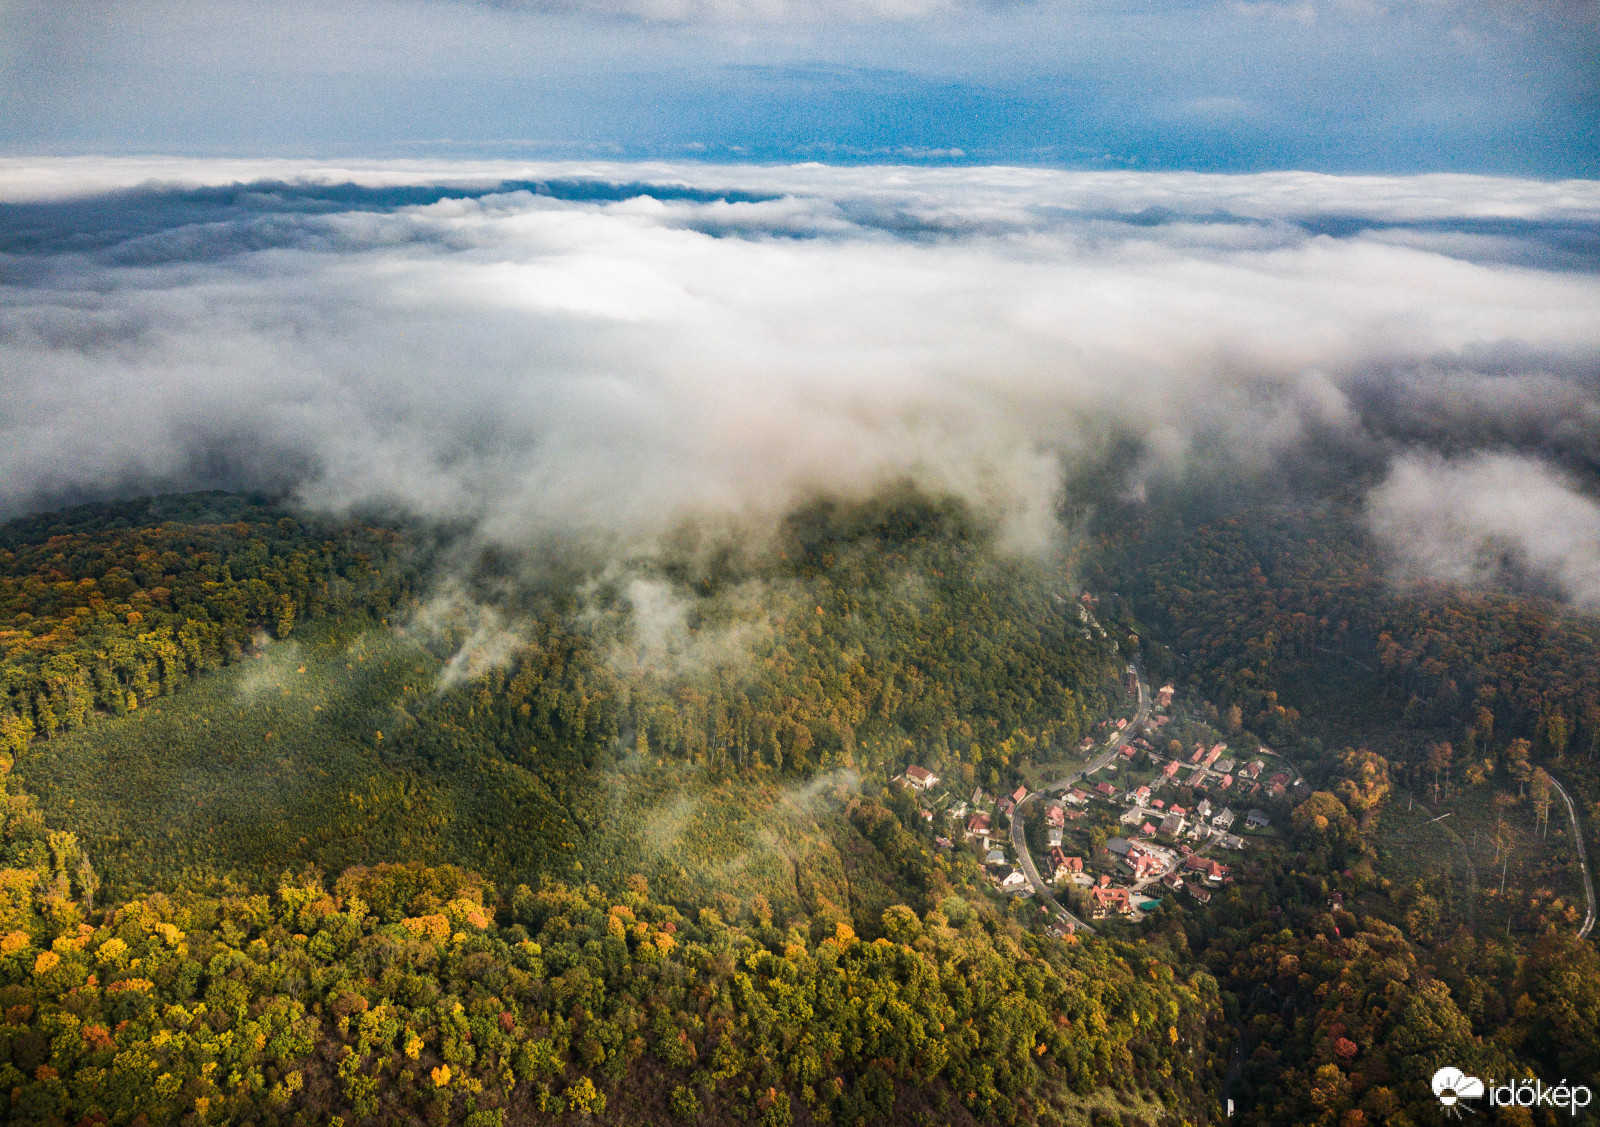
(1109, 900)
(921, 778)
(1106, 790)
(1213, 871)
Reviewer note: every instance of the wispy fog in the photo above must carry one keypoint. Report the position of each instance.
(604, 351)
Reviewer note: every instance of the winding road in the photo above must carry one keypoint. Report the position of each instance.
(1583, 858)
(1019, 841)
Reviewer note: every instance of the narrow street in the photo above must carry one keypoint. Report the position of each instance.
(1019, 841)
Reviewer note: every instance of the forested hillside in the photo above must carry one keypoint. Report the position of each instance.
(1274, 603)
(1374, 951)
(106, 607)
(243, 885)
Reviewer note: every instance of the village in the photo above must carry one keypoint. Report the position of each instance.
(1146, 818)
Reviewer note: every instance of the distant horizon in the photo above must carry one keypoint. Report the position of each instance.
(1335, 86)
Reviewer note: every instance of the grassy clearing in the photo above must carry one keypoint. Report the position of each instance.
(1457, 855)
(322, 750)
(272, 763)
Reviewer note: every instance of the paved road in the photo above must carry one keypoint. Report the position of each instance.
(1583, 859)
(1019, 838)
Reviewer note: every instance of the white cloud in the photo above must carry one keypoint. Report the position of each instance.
(550, 368)
(1464, 519)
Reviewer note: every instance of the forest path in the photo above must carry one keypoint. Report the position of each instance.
(1583, 858)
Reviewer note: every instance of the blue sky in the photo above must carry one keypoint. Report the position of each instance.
(1329, 85)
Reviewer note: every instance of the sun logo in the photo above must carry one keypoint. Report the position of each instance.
(1452, 1086)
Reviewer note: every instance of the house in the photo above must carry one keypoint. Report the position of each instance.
(1171, 769)
(1109, 900)
(1276, 790)
(995, 857)
(1222, 819)
(1204, 809)
(1121, 724)
(1199, 894)
(921, 777)
(1164, 696)
(1225, 782)
(1053, 815)
(1232, 841)
(1336, 900)
(1053, 835)
(1117, 845)
(1132, 816)
(1213, 871)
(1086, 743)
(1223, 766)
(1173, 881)
(978, 825)
(1197, 777)
(1160, 804)
(1199, 754)
(1077, 796)
(1210, 757)
(977, 796)
(1019, 794)
(1013, 880)
(1074, 864)
(944, 843)
(1141, 794)
(926, 815)
(1105, 790)
(1127, 751)
(1143, 864)
(1147, 829)
(1255, 768)
(1257, 820)
(1279, 779)
(1172, 825)
(957, 810)
(1178, 810)
(1004, 806)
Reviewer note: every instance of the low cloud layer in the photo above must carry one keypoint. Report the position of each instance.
(1475, 519)
(559, 351)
